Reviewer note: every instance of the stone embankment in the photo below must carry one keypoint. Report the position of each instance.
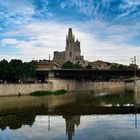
(70, 85)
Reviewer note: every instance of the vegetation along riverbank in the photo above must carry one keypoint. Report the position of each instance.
(44, 93)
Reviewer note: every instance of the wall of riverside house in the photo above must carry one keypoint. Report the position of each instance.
(70, 85)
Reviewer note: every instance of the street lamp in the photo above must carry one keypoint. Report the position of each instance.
(135, 73)
(135, 89)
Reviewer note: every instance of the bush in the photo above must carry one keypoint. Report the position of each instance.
(70, 65)
(44, 93)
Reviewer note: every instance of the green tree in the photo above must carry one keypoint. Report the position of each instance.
(88, 66)
(29, 70)
(133, 66)
(77, 66)
(68, 65)
(16, 70)
(119, 66)
(4, 70)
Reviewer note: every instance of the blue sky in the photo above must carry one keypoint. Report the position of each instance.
(33, 29)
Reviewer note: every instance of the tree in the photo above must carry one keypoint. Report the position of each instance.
(29, 70)
(16, 70)
(4, 70)
(88, 66)
(133, 66)
(118, 66)
(77, 66)
(68, 65)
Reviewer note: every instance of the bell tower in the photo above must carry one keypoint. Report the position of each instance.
(69, 38)
(72, 52)
(69, 45)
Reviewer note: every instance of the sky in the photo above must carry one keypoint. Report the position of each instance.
(108, 30)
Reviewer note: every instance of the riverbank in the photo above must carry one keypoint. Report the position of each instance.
(68, 85)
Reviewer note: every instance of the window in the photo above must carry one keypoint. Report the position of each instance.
(70, 54)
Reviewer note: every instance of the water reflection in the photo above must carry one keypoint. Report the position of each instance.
(136, 104)
(111, 126)
(16, 112)
(71, 122)
(16, 121)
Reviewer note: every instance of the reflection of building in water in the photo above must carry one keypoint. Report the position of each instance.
(16, 121)
(71, 122)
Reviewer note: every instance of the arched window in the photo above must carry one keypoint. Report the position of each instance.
(70, 54)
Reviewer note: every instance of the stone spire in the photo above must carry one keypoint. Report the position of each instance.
(77, 41)
(70, 34)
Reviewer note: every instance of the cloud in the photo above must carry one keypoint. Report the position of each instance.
(46, 37)
(116, 12)
(15, 8)
(42, 9)
(130, 3)
(106, 32)
(85, 7)
(9, 41)
(110, 11)
(15, 12)
(39, 27)
(18, 6)
(94, 49)
(49, 34)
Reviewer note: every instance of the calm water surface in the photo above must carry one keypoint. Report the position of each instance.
(70, 117)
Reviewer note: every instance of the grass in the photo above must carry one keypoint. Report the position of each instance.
(44, 93)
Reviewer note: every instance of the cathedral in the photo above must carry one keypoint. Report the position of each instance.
(72, 52)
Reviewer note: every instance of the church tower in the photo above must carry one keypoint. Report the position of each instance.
(73, 51)
(69, 45)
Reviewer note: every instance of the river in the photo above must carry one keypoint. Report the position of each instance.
(73, 116)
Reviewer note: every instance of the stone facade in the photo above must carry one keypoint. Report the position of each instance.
(72, 52)
(46, 65)
(100, 65)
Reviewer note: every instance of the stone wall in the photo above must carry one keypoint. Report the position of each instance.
(138, 85)
(24, 89)
(70, 85)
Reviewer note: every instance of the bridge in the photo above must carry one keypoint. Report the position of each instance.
(85, 73)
